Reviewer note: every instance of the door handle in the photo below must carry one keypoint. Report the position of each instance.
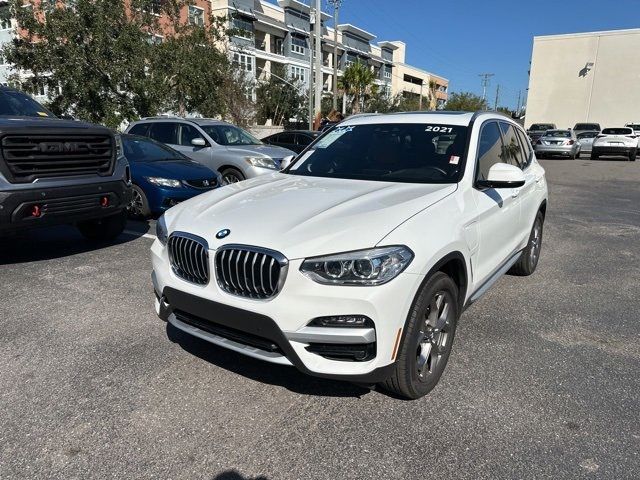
(515, 192)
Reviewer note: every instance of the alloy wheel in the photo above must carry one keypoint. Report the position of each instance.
(536, 244)
(136, 205)
(434, 336)
(230, 177)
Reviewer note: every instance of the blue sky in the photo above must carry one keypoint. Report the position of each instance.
(460, 39)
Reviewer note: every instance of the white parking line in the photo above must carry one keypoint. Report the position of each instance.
(137, 234)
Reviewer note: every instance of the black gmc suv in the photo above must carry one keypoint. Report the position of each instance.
(55, 171)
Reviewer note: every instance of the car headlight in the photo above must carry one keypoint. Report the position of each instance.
(161, 230)
(164, 182)
(374, 266)
(263, 162)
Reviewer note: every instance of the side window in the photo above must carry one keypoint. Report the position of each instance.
(526, 146)
(302, 139)
(489, 149)
(165, 132)
(287, 138)
(141, 129)
(512, 151)
(188, 133)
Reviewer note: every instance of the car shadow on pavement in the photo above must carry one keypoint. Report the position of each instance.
(56, 242)
(234, 475)
(260, 371)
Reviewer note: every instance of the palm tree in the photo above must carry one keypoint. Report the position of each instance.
(433, 96)
(357, 81)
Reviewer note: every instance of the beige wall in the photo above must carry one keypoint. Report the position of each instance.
(562, 92)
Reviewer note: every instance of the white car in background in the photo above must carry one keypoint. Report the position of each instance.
(621, 141)
(376, 246)
(635, 127)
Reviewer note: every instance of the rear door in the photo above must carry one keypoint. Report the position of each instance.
(288, 140)
(498, 209)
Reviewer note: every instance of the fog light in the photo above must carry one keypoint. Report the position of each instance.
(104, 201)
(349, 321)
(36, 210)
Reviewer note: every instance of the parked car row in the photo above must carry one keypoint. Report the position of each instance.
(549, 141)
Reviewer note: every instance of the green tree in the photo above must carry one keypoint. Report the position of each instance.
(465, 101)
(280, 98)
(100, 63)
(357, 82)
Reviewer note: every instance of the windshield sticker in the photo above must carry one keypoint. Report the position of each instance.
(43, 114)
(454, 160)
(438, 128)
(333, 135)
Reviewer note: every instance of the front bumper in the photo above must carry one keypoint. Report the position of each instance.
(276, 330)
(60, 205)
(162, 199)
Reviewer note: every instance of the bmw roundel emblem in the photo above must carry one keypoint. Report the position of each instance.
(223, 233)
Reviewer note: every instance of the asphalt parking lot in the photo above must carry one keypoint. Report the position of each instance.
(544, 380)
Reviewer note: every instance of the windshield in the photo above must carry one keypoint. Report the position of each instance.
(13, 103)
(142, 149)
(634, 126)
(558, 133)
(541, 126)
(230, 135)
(412, 153)
(587, 126)
(617, 131)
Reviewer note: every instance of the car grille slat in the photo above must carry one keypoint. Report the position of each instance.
(189, 257)
(250, 272)
(31, 156)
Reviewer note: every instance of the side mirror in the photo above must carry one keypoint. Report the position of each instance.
(503, 175)
(199, 142)
(286, 161)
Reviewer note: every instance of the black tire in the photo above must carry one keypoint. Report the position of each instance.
(231, 175)
(104, 229)
(428, 339)
(632, 155)
(139, 205)
(528, 261)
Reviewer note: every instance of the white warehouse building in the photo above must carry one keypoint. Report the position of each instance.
(585, 77)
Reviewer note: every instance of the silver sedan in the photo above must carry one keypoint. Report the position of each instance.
(585, 139)
(561, 143)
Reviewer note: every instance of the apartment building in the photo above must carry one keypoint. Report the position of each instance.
(266, 34)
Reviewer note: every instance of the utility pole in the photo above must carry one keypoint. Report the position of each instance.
(495, 105)
(485, 83)
(313, 20)
(336, 10)
(318, 40)
(519, 98)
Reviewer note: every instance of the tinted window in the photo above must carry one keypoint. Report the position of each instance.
(165, 132)
(188, 133)
(634, 126)
(617, 131)
(287, 138)
(586, 126)
(512, 151)
(386, 152)
(542, 126)
(588, 135)
(526, 147)
(17, 104)
(558, 133)
(303, 139)
(141, 129)
(489, 149)
(139, 149)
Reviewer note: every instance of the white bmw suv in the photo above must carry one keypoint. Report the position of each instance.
(356, 261)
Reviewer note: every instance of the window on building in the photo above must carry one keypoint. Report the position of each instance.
(298, 73)
(242, 27)
(154, 39)
(298, 45)
(489, 149)
(5, 17)
(196, 16)
(387, 72)
(350, 59)
(153, 6)
(245, 62)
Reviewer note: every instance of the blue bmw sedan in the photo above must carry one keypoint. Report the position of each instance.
(161, 176)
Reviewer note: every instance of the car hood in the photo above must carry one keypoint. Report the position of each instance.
(174, 169)
(272, 151)
(45, 122)
(304, 216)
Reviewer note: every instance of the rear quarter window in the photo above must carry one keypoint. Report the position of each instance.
(141, 129)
